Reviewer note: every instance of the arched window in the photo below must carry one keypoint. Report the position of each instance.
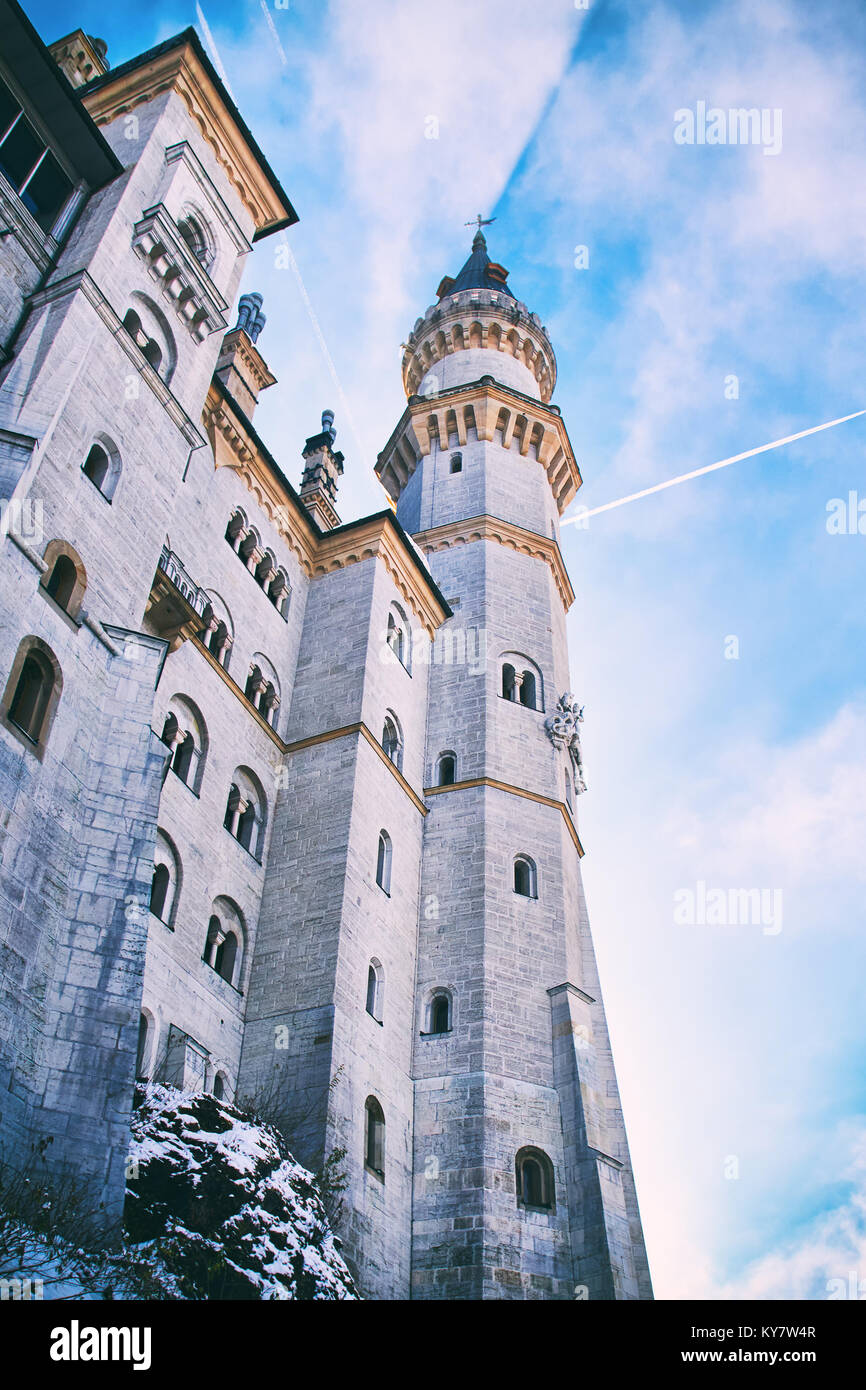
(182, 763)
(456, 463)
(193, 233)
(33, 690)
(521, 681)
(445, 770)
(224, 944)
(265, 571)
(375, 990)
(374, 1138)
(392, 741)
(527, 690)
(61, 581)
(65, 577)
(165, 884)
(278, 593)
(246, 811)
(225, 957)
(217, 634)
(159, 890)
(262, 688)
(236, 528)
(219, 1086)
(397, 635)
(535, 1181)
(185, 733)
(383, 862)
(525, 877)
(142, 1049)
(102, 466)
(148, 327)
(95, 466)
(439, 1012)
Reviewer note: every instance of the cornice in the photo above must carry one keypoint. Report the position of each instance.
(493, 528)
(529, 422)
(180, 69)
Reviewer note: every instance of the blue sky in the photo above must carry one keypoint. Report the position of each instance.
(739, 1051)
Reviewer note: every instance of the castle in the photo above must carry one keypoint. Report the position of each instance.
(287, 805)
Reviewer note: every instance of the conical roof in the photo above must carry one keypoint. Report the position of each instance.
(478, 273)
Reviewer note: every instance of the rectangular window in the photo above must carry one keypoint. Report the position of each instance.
(29, 165)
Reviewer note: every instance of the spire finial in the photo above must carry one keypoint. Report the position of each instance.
(479, 222)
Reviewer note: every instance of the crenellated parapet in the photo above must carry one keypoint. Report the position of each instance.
(479, 320)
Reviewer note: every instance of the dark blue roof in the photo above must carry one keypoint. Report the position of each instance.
(479, 273)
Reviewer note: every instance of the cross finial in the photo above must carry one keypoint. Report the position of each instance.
(480, 222)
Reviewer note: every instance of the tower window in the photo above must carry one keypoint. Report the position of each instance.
(397, 636)
(521, 684)
(525, 877)
(446, 770)
(392, 742)
(375, 990)
(456, 463)
(534, 1177)
(383, 862)
(439, 1012)
(374, 1138)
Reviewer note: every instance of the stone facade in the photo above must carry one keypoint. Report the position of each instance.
(282, 817)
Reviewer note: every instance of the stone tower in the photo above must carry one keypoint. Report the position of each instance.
(522, 1186)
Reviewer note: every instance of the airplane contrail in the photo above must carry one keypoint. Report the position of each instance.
(710, 468)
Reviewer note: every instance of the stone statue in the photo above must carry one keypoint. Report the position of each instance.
(562, 730)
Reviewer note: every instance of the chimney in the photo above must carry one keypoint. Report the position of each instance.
(79, 57)
(240, 366)
(322, 469)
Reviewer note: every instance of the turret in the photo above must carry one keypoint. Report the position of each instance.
(479, 370)
(240, 366)
(322, 471)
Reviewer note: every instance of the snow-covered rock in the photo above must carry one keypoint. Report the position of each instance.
(217, 1207)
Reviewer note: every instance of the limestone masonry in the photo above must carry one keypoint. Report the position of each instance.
(287, 805)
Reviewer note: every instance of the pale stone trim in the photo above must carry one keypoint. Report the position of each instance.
(181, 71)
(514, 791)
